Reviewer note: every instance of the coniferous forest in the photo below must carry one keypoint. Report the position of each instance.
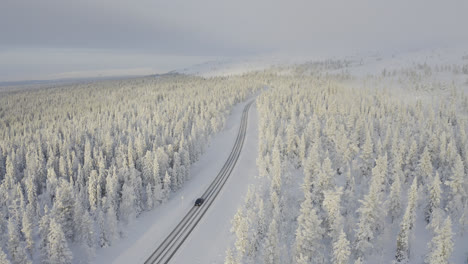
(357, 169)
(351, 169)
(78, 163)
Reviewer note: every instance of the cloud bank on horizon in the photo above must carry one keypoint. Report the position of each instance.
(40, 38)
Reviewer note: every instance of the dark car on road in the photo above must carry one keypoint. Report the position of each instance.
(199, 201)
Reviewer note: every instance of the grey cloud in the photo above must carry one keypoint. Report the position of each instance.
(231, 28)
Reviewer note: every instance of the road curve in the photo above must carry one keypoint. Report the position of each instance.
(170, 245)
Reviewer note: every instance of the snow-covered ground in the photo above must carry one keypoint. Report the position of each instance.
(208, 241)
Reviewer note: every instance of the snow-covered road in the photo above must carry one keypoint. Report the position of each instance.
(210, 238)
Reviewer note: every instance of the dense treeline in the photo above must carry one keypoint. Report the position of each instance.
(355, 175)
(79, 162)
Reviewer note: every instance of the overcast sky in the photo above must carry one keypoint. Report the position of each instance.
(50, 38)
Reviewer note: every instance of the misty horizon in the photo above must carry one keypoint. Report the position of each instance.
(54, 39)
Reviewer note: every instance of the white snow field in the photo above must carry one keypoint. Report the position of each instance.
(208, 241)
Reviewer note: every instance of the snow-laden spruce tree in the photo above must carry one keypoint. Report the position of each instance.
(31, 194)
(57, 248)
(367, 153)
(311, 168)
(271, 249)
(129, 201)
(93, 189)
(435, 196)
(230, 258)
(149, 197)
(28, 228)
(394, 200)
(177, 173)
(458, 189)
(241, 230)
(324, 181)
(83, 228)
(3, 257)
(406, 227)
(309, 233)
(51, 186)
(261, 219)
(425, 169)
(411, 160)
(16, 248)
(111, 227)
(64, 206)
(341, 250)
(371, 213)
(332, 206)
(10, 177)
(44, 229)
(441, 245)
(167, 183)
(302, 149)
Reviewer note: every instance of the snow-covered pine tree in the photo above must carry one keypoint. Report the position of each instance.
(93, 189)
(309, 233)
(28, 229)
(51, 185)
(112, 225)
(302, 149)
(371, 212)
(177, 173)
(261, 220)
(332, 206)
(403, 239)
(83, 227)
(16, 248)
(156, 169)
(57, 249)
(425, 168)
(311, 167)
(112, 187)
(271, 249)
(128, 203)
(102, 239)
(10, 173)
(147, 167)
(441, 245)
(411, 160)
(230, 258)
(324, 181)
(341, 250)
(64, 206)
(458, 188)
(367, 154)
(394, 200)
(166, 189)
(435, 193)
(44, 229)
(3, 257)
(242, 234)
